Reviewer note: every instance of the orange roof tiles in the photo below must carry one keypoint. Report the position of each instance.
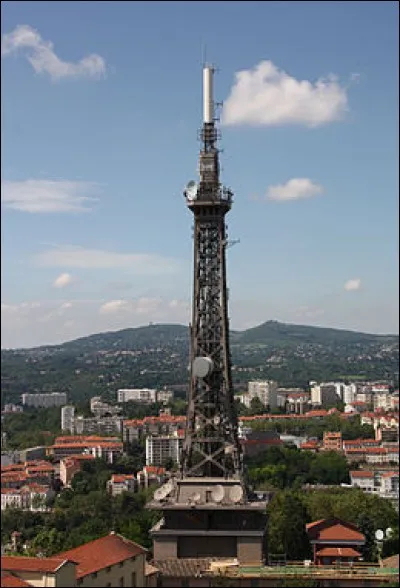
(120, 478)
(10, 581)
(12, 563)
(338, 552)
(102, 553)
(154, 469)
(361, 474)
(340, 532)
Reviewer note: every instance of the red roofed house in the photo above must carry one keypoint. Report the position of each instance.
(150, 475)
(121, 483)
(69, 466)
(334, 540)
(34, 571)
(109, 561)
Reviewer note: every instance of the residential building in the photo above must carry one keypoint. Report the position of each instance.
(324, 394)
(14, 498)
(334, 541)
(160, 448)
(12, 408)
(68, 419)
(36, 571)
(141, 395)
(312, 445)
(365, 479)
(349, 393)
(101, 409)
(266, 391)
(44, 400)
(164, 396)
(109, 448)
(150, 475)
(255, 442)
(298, 402)
(109, 561)
(332, 441)
(69, 466)
(121, 483)
(106, 425)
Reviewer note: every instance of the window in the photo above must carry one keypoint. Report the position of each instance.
(121, 582)
(133, 580)
(108, 585)
(94, 575)
(108, 569)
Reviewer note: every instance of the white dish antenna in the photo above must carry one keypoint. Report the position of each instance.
(202, 367)
(236, 494)
(379, 535)
(191, 190)
(196, 498)
(161, 493)
(218, 493)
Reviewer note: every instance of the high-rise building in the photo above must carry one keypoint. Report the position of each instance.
(68, 419)
(266, 391)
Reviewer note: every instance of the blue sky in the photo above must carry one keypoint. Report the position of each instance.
(101, 102)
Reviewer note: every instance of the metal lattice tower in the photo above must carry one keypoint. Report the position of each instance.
(211, 447)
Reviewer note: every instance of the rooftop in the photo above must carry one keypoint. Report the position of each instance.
(102, 553)
(10, 581)
(11, 563)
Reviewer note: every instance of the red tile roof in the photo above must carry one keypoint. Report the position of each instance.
(361, 474)
(154, 470)
(120, 478)
(12, 563)
(338, 552)
(102, 553)
(10, 581)
(340, 532)
(333, 530)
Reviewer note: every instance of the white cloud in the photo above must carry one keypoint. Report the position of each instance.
(266, 96)
(79, 257)
(44, 196)
(354, 284)
(63, 280)
(140, 306)
(43, 59)
(294, 189)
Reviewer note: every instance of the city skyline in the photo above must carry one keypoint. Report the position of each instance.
(96, 235)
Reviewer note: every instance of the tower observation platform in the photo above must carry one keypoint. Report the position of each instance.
(208, 510)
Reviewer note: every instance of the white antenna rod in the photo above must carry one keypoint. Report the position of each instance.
(208, 103)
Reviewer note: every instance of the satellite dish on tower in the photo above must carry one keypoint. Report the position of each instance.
(191, 190)
(236, 494)
(202, 367)
(379, 535)
(218, 493)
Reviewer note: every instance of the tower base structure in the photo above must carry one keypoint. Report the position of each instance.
(209, 518)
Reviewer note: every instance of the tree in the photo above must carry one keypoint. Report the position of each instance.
(286, 528)
(366, 526)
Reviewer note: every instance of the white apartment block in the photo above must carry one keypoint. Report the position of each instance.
(44, 400)
(142, 395)
(266, 391)
(101, 426)
(349, 393)
(383, 400)
(99, 408)
(164, 396)
(324, 394)
(161, 448)
(68, 419)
